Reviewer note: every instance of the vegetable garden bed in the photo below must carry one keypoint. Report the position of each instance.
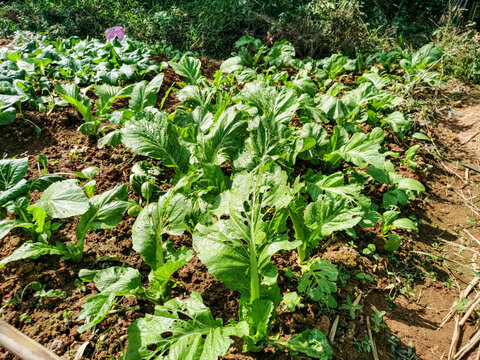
(174, 209)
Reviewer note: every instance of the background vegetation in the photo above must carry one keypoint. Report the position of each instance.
(212, 26)
(316, 28)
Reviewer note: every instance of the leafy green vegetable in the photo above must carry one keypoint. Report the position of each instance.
(237, 250)
(144, 95)
(221, 144)
(319, 219)
(63, 199)
(189, 68)
(181, 329)
(11, 172)
(105, 211)
(244, 265)
(153, 135)
(291, 301)
(164, 217)
(312, 343)
(318, 281)
(7, 116)
(71, 93)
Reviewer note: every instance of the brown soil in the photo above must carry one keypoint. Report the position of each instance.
(413, 312)
(4, 42)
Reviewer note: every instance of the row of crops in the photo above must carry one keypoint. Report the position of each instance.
(272, 154)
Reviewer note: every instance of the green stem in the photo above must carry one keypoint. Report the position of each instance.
(254, 280)
(303, 253)
(78, 255)
(158, 234)
(25, 218)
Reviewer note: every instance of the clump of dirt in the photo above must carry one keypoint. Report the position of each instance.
(5, 42)
(209, 67)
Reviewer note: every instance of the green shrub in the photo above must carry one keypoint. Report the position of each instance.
(461, 46)
(315, 27)
(323, 27)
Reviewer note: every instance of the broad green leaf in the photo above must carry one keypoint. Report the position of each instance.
(398, 123)
(231, 64)
(281, 54)
(105, 211)
(327, 215)
(269, 141)
(393, 242)
(404, 223)
(165, 217)
(88, 173)
(411, 184)
(379, 175)
(258, 315)
(189, 68)
(8, 100)
(319, 134)
(95, 309)
(111, 282)
(195, 96)
(224, 140)
(318, 281)
(363, 150)
(7, 225)
(113, 138)
(144, 95)
(312, 343)
(70, 92)
(19, 189)
(33, 251)
(12, 171)
(7, 116)
(277, 104)
(237, 250)
(160, 284)
(305, 84)
(154, 136)
(334, 185)
(181, 329)
(377, 80)
(107, 94)
(420, 136)
(426, 56)
(42, 182)
(333, 107)
(63, 199)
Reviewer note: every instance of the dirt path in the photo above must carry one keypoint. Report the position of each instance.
(450, 215)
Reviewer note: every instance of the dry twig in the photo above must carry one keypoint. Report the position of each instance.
(455, 337)
(471, 236)
(471, 138)
(471, 308)
(372, 342)
(468, 346)
(333, 330)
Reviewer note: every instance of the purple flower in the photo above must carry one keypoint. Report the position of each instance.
(117, 31)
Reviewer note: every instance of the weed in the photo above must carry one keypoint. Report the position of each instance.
(364, 277)
(351, 307)
(397, 352)
(363, 345)
(461, 305)
(25, 318)
(377, 319)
